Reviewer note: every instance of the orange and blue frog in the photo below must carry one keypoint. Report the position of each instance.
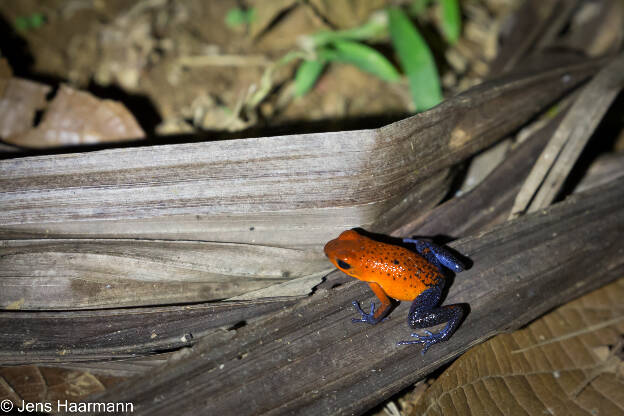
(395, 272)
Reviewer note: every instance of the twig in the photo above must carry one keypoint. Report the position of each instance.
(556, 161)
(224, 60)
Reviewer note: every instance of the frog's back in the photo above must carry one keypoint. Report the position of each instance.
(403, 274)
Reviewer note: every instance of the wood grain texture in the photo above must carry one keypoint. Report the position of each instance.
(604, 170)
(558, 158)
(75, 336)
(490, 202)
(526, 29)
(310, 358)
(127, 367)
(92, 273)
(294, 192)
(263, 182)
(39, 336)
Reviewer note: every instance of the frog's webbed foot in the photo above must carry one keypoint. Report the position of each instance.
(427, 340)
(368, 318)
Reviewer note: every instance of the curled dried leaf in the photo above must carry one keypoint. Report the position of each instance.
(20, 100)
(77, 117)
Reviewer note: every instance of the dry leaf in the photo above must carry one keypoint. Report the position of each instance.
(76, 117)
(564, 363)
(344, 14)
(128, 43)
(34, 384)
(282, 34)
(266, 12)
(74, 274)
(20, 99)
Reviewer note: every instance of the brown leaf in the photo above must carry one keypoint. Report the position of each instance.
(34, 384)
(283, 32)
(345, 14)
(266, 12)
(19, 101)
(564, 363)
(76, 117)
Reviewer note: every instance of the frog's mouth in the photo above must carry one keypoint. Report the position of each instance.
(330, 248)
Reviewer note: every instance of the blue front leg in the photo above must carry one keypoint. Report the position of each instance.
(437, 255)
(373, 317)
(368, 318)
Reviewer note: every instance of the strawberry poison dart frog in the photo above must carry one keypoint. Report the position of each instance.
(392, 271)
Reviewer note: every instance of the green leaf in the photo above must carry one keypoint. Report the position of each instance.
(21, 23)
(307, 74)
(416, 60)
(37, 20)
(33, 21)
(364, 57)
(450, 20)
(375, 27)
(418, 7)
(237, 17)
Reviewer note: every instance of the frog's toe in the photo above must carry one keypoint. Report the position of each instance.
(365, 317)
(422, 338)
(427, 340)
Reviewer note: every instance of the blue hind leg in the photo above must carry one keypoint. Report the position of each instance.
(425, 313)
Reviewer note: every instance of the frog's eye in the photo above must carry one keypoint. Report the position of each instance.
(343, 265)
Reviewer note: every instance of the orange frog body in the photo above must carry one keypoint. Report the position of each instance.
(395, 272)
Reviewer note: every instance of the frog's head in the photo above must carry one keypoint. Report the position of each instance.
(346, 253)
